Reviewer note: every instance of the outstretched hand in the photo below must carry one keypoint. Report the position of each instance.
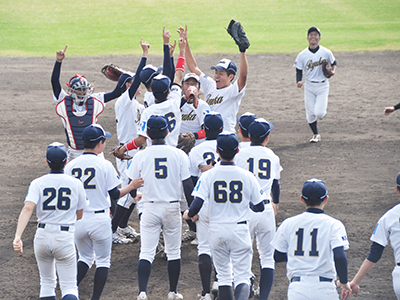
(145, 47)
(172, 49)
(166, 36)
(61, 54)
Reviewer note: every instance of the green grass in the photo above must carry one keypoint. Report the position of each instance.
(105, 27)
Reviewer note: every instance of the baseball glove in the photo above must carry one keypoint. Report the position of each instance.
(186, 142)
(327, 69)
(112, 72)
(115, 152)
(235, 29)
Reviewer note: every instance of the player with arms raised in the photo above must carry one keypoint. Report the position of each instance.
(59, 200)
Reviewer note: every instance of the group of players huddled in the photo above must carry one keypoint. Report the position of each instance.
(227, 191)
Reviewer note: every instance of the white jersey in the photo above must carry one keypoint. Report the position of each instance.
(244, 144)
(148, 99)
(98, 176)
(263, 163)
(309, 239)
(226, 101)
(200, 154)
(57, 198)
(170, 109)
(127, 114)
(388, 229)
(228, 190)
(193, 118)
(311, 63)
(163, 168)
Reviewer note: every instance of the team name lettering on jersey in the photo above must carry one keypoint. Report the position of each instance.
(212, 101)
(138, 114)
(310, 65)
(191, 116)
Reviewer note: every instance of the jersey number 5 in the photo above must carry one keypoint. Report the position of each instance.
(300, 235)
(161, 171)
(63, 201)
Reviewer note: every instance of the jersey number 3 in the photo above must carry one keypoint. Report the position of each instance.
(300, 235)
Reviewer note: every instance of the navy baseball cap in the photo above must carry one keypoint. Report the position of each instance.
(124, 78)
(225, 65)
(314, 190)
(149, 72)
(213, 121)
(245, 120)
(191, 75)
(227, 142)
(95, 132)
(260, 128)
(157, 127)
(312, 29)
(160, 84)
(56, 153)
(398, 181)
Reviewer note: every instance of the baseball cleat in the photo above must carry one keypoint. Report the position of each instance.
(252, 279)
(128, 232)
(174, 296)
(119, 239)
(205, 297)
(316, 138)
(188, 236)
(142, 296)
(195, 242)
(214, 289)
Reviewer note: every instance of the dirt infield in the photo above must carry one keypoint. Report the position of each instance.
(357, 158)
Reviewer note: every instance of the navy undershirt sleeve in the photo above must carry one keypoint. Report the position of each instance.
(195, 207)
(55, 79)
(280, 256)
(299, 75)
(276, 190)
(136, 82)
(340, 259)
(188, 189)
(375, 252)
(397, 106)
(167, 66)
(114, 193)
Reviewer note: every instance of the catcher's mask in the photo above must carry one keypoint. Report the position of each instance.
(79, 89)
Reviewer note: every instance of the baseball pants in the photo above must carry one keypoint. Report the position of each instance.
(55, 252)
(396, 281)
(316, 100)
(311, 288)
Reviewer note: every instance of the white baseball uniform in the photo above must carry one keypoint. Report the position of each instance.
(148, 99)
(168, 108)
(226, 101)
(316, 87)
(388, 229)
(309, 239)
(93, 235)
(127, 113)
(227, 191)
(192, 118)
(75, 118)
(163, 168)
(265, 165)
(57, 198)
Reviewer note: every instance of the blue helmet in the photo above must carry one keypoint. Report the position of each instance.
(79, 89)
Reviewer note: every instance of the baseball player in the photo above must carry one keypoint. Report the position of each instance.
(316, 85)
(221, 93)
(226, 191)
(167, 103)
(193, 109)
(265, 165)
(79, 107)
(93, 235)
(127, 112)
(390, 109)
(313, 245)
(59, 200)
(201, 155)
(244, 122)
(165, 170)
(387, 229)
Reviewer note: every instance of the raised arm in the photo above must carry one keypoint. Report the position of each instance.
(167, 65)
(243, 71)
(190, 60)
(55, 76)
(180, 65)
(136, 82)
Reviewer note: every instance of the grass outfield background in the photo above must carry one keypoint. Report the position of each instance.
(105, 27)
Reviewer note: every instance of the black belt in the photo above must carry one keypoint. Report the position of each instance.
(398, 264)
(121, 144)
(242, 222)
(267, 201)
(318, 81)
(297, 278)
(63, 228)
(99, 211)
(174, 201)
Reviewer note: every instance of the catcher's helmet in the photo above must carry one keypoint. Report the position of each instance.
(79, 89)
